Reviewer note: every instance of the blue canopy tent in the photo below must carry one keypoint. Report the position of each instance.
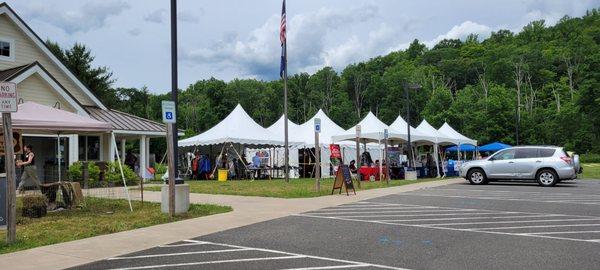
(463, 148)
(493, 147)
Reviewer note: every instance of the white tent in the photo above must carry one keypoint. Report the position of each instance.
(371, 131)
(277, 129)
(429, 130)
(237, 127)
(416, 135)
(455, 136)
(439, 139)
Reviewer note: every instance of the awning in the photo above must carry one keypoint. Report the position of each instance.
(493, 147)
(39, 118)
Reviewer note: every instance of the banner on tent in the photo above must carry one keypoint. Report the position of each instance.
(335, 155)
(394, 156)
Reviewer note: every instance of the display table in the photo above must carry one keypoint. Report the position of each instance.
(367, 172)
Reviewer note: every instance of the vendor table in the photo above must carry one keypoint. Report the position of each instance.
(367, 172)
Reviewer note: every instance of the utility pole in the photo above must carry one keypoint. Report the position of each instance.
(317, 155)
(172, 127)
(406, 92)
(8, 100)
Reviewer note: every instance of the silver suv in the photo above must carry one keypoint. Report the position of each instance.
(547, 165)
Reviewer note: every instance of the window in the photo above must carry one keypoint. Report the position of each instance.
(526, 153)
(546, 152)
(504, 155)
(7, 49)
(89, 148)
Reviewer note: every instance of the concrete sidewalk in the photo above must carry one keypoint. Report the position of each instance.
(246, 210)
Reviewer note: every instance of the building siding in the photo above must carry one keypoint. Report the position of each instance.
(26, 52)
(35, 89)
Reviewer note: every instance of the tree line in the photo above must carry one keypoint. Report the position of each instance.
(538, 86)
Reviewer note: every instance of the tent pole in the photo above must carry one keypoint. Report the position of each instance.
(114, 141)
(58, 155)
(437, 164)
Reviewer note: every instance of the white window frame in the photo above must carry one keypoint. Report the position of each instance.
(12, 50)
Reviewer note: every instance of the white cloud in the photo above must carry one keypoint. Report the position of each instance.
(461, 32)
(308, 43)
(160, 15)
(156, 16)
(92, 15)
(135, 31)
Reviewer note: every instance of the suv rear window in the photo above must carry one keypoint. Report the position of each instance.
(526, 153)
(547, 152)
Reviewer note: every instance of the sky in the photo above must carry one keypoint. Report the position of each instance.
(229, 39)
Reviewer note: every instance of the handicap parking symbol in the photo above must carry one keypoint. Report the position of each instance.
(169, 115)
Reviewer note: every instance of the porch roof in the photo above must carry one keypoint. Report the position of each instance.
(127, 123)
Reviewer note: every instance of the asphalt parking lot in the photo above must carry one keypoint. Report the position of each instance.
(459, 226)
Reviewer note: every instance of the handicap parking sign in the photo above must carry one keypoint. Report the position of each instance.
(168, 111)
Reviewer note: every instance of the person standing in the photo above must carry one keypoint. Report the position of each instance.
(196, 166)
(29, 176)
(130, 159)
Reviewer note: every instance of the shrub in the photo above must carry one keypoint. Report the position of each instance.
(75, 173)
(113, 175)
(589, 158)
(160, 168)
(34, 205)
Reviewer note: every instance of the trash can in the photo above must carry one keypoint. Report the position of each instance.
(222, 175)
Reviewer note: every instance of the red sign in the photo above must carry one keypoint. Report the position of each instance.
(336, 155)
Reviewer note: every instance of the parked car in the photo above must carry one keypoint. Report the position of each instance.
(547, 165)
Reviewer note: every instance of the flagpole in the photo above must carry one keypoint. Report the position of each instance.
(285, 115)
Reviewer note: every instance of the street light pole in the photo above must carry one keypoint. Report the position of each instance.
(174, 78)
(406, 93)
(408, 124)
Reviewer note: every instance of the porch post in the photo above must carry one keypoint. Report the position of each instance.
(123, 141)
(147, 151)
(111, 150)
(142, 158)
(73, 149)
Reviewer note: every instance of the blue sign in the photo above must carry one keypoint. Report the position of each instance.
(168, 111)
(318, 125)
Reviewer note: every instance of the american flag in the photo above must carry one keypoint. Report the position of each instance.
(282, 37)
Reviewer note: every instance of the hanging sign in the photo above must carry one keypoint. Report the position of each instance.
(8, 97)
(168, 112)
(318, 125)
(335, 155)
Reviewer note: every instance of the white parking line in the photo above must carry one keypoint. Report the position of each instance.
(450, 229)
(461, 218)
(371, 208)
(330, 267)
(446, 214)
(209, 262)
(396, 211)
(536, 226)
(233, 248)
(180, 254)
(568, 232)
(183, 245)
(512, 221)
(466, 216)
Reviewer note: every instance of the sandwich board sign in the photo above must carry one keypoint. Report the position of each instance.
(168, 112)
(8, 97)
(343, 178)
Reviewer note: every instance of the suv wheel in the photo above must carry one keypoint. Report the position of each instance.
(477, 177)
(547, 178)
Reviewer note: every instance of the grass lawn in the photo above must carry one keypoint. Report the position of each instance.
(99, 216)
(296, 188)
(591, 171)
